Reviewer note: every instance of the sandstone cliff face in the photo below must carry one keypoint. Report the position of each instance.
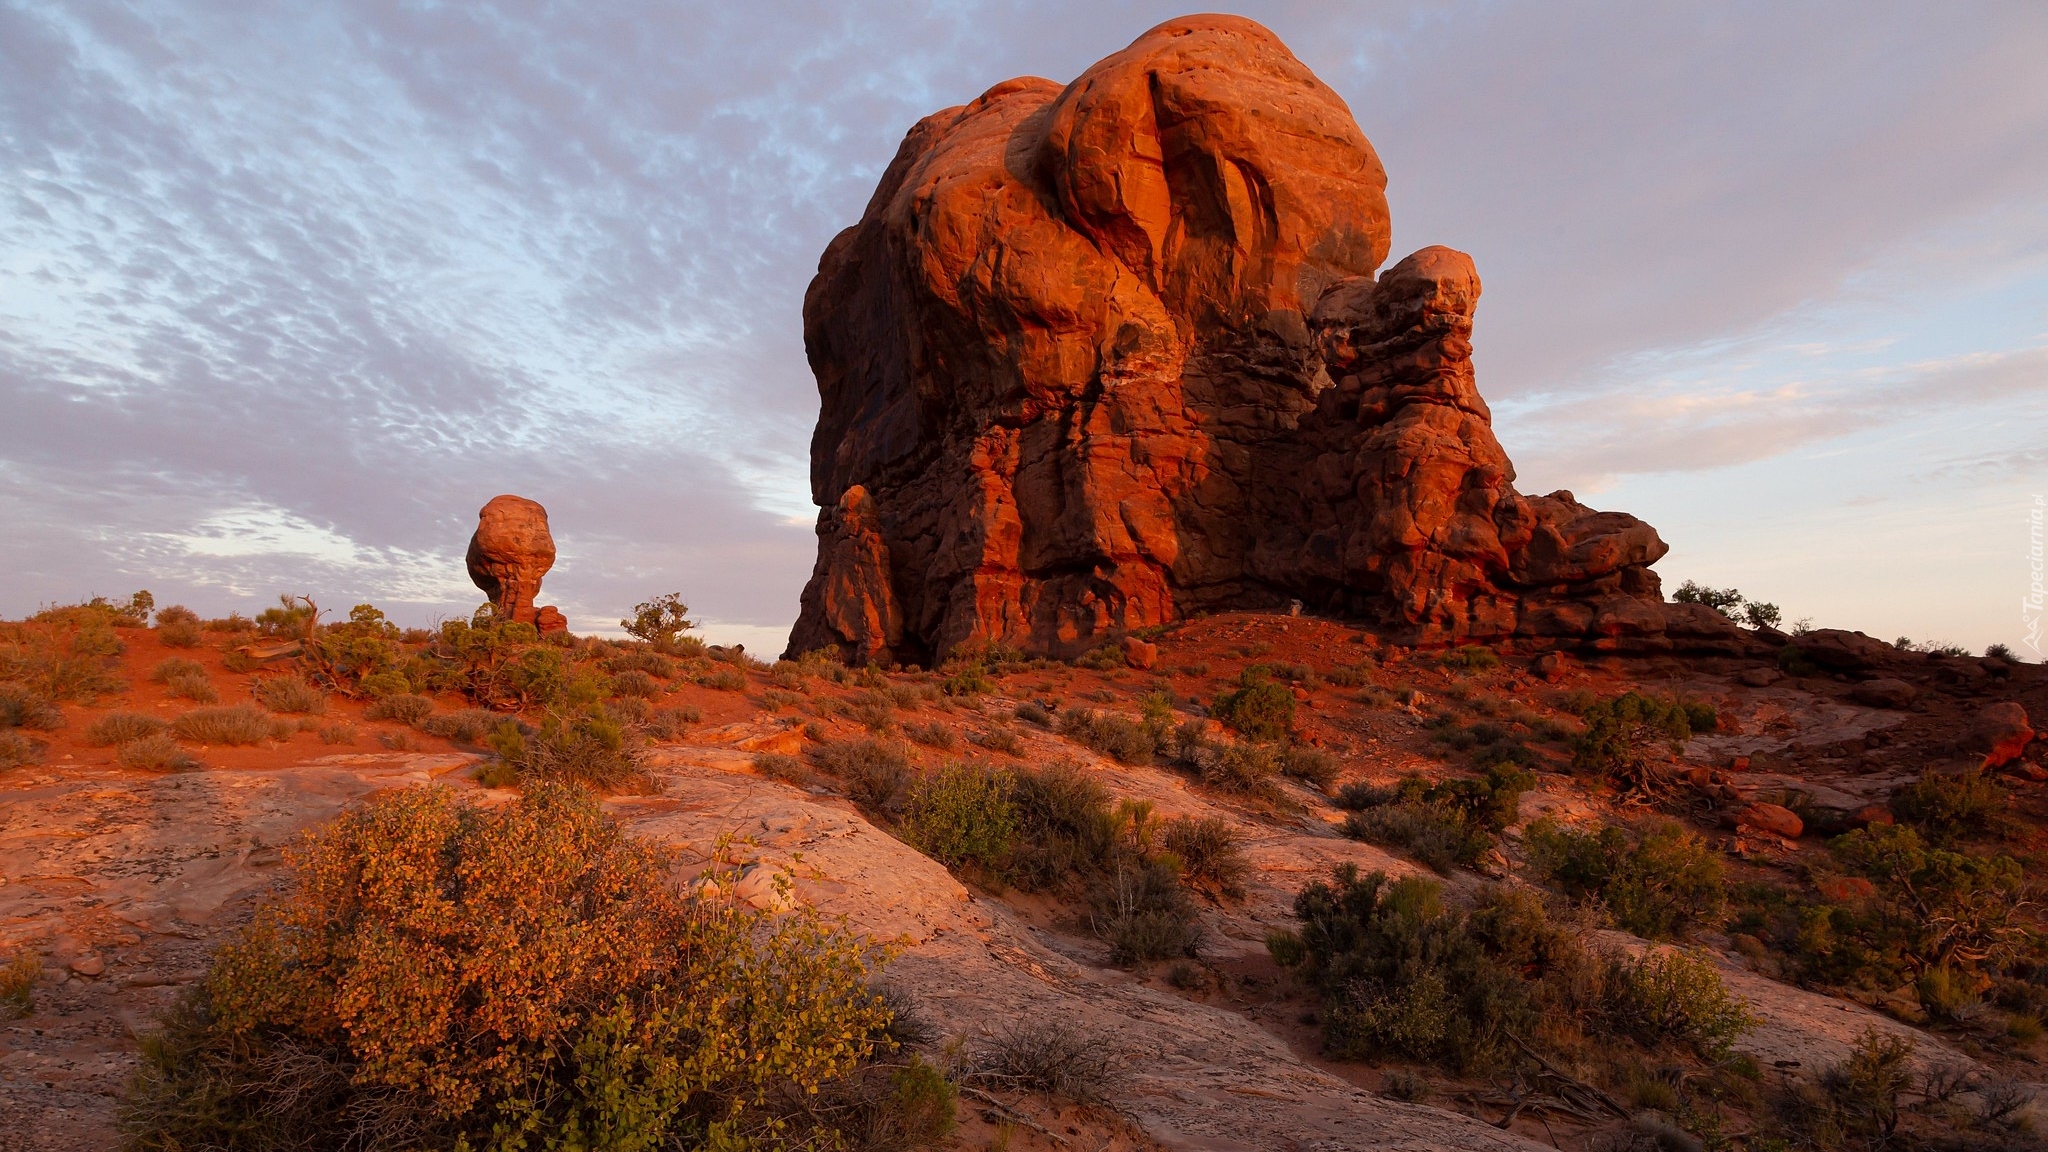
(1099, 356)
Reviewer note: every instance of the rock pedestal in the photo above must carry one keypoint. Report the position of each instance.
(508, 554)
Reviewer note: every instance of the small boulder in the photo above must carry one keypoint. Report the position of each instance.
(1138, 653)
(2001, 732)
(1552, 666)
(1776, 819)
(1840, 651)
(549, 618)
(1885, 693)
(1760, 677)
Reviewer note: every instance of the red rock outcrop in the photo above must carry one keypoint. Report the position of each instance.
(1099, 356)
(508, 554)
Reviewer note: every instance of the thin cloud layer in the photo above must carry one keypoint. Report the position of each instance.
(285, 295)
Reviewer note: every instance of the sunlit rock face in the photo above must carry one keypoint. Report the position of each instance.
(1103, 355)
(509, 552)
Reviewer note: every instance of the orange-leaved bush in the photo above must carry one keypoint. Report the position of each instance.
(444, 974)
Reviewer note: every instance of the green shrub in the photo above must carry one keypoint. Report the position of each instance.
(447, 974)
(1207, 852)
(22, 708)
(1257, 707)
(176, 614)
(156, 753)
(121, 727)
(404, 708)
(1470, 658)
(661, 622)
(1622, 733)
(237, 724)
(1444, 824)
(290, 695)
(1102, 658)
(1929, 908)
(962, 816)
(1066, 826)
(1665, 884)
(1402, 974)
(292, 617)
(17, 750)
(1141, 911)
(966, 678)
(1675, 997)
(499, 662)
(875, 772)
(1946, 807)
(583, 750)
(181, 633)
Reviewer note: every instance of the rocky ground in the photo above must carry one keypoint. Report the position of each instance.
(120, 881)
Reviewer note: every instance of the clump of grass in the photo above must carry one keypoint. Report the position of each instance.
(340, 732)
(404, 707)
(1310, 764)
(1032, 713)
(669, 723)
(1470, 658)
(1050, 1058)
(1120, 738)
(121, 727)
(22, 708)
(467, 726)
(724, 680)
(875, 772)
(642, 660)
(1450, 823)
(634, 682)
(782, 766)
(17, 984)
(17, 750)
(174, 668)
(1664, 884)
(233, 725)
(932, 735)
(185, 680)
(334, 1014)
(1207, 853)
(290, 695)
(156, 753)
(997, 739)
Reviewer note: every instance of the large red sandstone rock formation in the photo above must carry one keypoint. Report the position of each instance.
(1099, 356)
(508, 554)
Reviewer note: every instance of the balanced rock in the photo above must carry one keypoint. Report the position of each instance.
(508, 554)
(1102, 355)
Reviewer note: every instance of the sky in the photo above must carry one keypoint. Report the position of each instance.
(288, 291)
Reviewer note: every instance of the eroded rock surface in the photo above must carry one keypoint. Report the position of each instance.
(509, 552)
(1102, 356)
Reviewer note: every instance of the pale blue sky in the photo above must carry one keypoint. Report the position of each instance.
(288, 291)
